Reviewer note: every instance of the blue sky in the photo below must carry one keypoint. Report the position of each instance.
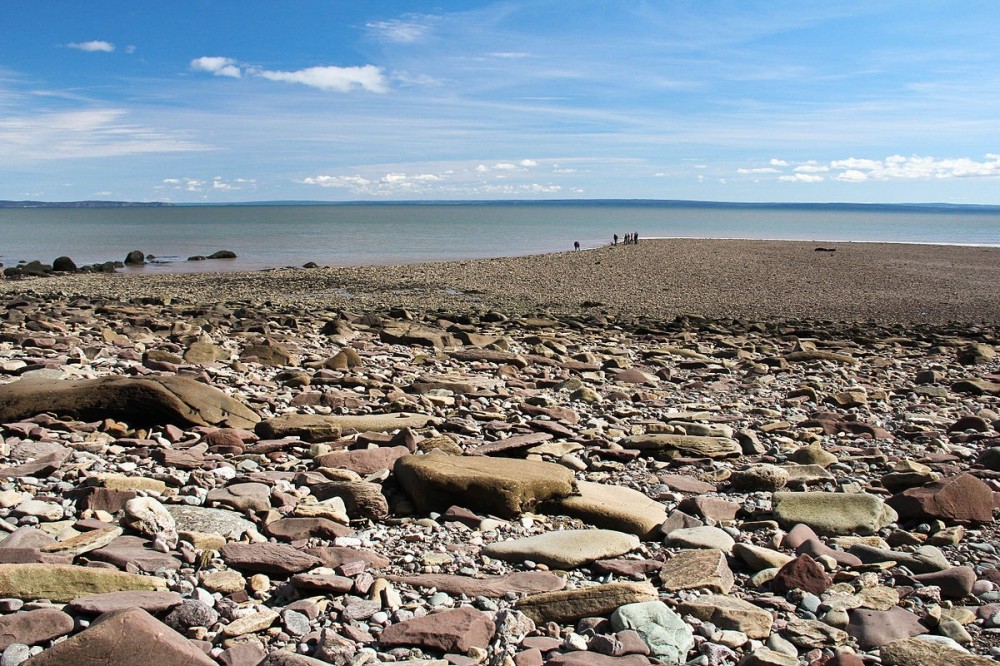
(219, 101)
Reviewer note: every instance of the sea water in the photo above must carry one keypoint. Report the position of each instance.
(267, 236)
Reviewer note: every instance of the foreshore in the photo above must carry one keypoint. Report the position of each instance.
(720, 451)
(738, 279)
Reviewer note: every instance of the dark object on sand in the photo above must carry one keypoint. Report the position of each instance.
(64, 264)
(826, 249)
(223, 254)
(135, 258)
(576, 245)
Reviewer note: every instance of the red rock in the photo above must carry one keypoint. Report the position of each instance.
(134, 550)
(955, 582)
(247, 653)
(686, 484)
(815, 548)
(798, 535)
(532, 657)
(363, 461)
(296, 529)
(105, 499)
(873, 629)
(595, 659)
(713, 508)
(149, 601)
(449, 631)
(845, 659)
(959, 499)
(130, 637)
(802, 573)
(269, 558)
(334, 556)
(626, 567)
(34, 626)
(322, 582)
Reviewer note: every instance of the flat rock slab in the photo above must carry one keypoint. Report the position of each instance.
(730, 613)
(523, 582)
(963, 499)
(449, 631)
(696, 569)
(833, 514)
(322, 428)
(270, 558)
(565, 549)
(669, 638)
(363, 461)
(34, 626)
(62, 583)
(136, 400)
(130, 637)
(916, 652)
(612, 507)
(138, 551)
(672, 446)
(595, 601)
(227, 524)
(151, 602)
(501, 486)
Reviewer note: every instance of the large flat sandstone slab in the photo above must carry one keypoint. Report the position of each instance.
(62, 583)
(136, 400)
(833, 514)
(500, 486)
(613, 507)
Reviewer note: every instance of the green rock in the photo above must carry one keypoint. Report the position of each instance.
(669, 638)
(62, 583)
(833, 514)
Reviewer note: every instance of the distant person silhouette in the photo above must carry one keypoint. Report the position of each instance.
(615, 237)
(635, 237)
(576, 245)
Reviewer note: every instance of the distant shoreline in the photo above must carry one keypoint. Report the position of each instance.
(664, 203)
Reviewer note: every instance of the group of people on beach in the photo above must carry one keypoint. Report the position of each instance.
(630, 239)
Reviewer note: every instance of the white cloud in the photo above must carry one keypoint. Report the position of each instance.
(758, 170)
(328, 78)
(528, 163)
(94, 46)
(853, 176)
(812, 167)
(399, 31)
(331, 78)
(801, 178)
(855, 163)
(217, 184)
(217, 65)
(347, 182)
(778, 163)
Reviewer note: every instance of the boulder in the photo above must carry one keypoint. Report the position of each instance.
(918, 652)
(34, 626)
(135, 258)
(833, 514)
(64, 265)
(136, 400)
(501, 486)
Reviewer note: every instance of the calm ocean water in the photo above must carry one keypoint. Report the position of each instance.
(265, 236)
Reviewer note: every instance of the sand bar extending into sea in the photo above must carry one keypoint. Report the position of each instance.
(744, 279)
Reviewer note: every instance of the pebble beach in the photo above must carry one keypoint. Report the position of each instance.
(675, 452)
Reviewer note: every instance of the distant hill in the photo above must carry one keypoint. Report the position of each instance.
(81, 204)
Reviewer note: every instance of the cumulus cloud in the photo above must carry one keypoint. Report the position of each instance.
(801, 178)
(778, 163)
(217, 65)
(329, 78)
(894, 167)
(93, 46)
(217, 184)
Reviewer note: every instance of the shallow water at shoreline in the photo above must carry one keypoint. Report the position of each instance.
(374, 234)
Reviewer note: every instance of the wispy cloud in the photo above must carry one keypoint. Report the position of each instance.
(85, 134)
(328, 78)
(215, 184)
(408, 30)
(94, 46)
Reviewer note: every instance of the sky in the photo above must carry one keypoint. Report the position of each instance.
(202, 101)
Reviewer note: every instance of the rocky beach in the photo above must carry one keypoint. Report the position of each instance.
(676, 452)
